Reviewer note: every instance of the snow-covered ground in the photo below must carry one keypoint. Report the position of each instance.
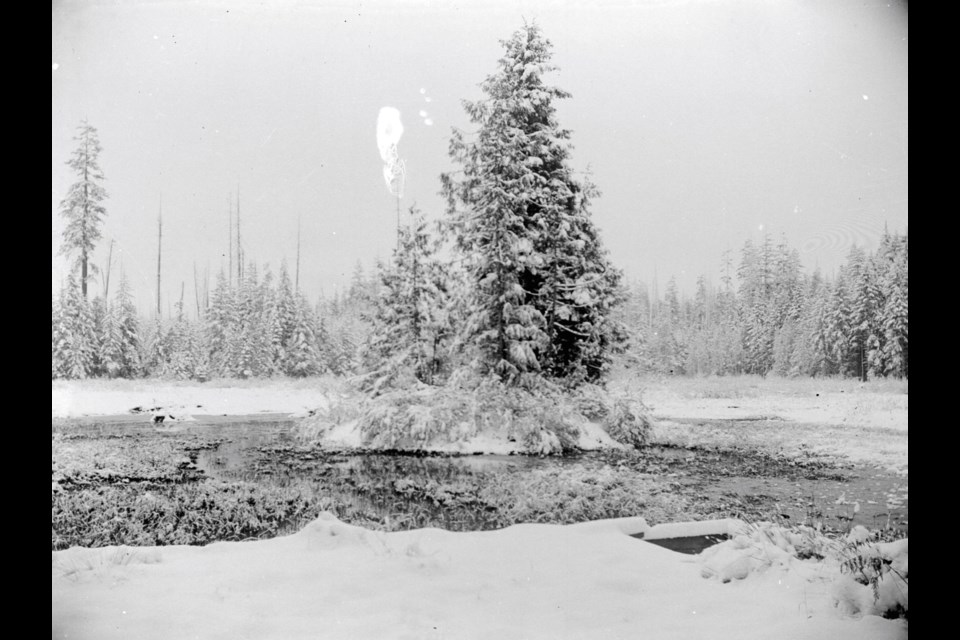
(854, 408)
(79, 398)
(860, 423)
(333, 580)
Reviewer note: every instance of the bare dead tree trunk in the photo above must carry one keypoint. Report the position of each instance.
(159, 248)
(230, 237)
(239, 250)
(86, 217)
(196, 289)
(106, 286)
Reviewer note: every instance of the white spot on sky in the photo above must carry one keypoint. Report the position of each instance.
(866, 97)
(796, 208)
(422, 91)
(55, 66)
(423, 114)
(428, 99)
(760, 228)
(428, 122)
(389, 130)
(156, 37)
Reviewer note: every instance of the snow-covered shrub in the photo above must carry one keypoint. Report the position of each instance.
(755, 547)
(546, 428)
(592, 402)
(421, 416)
(426, 416)
(339, 410)
(628, 422)
(411, 420)
(542, 420)
(875, 573)
(870, 576)
(624, 418)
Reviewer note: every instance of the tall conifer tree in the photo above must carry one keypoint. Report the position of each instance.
(411, 325)
(82, 206)
(541, 287)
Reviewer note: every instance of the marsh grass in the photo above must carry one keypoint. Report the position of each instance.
(192, 513)
(85, 461)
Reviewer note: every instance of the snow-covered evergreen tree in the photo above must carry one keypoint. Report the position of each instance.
(303, 356)
(865, 300)
(783, 345)
(74, 339)
(61, 335)
(82, 206)
(411, 320)
(282, 329)
(267, 362)
(788, 287)
(251, 356)
(636, 315)
(756, 305)
(127, 359)
(221, 324)
(842, 358)
(153, 348)
(893, 316)
(726, 343)
(809, 353)
(99, 315)
(110, 353)
(540, 285)
(181, 351)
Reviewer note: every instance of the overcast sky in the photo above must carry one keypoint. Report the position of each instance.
(704, 123)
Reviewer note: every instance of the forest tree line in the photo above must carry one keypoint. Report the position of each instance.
(513, 285)
(771, 317)
(766, 316)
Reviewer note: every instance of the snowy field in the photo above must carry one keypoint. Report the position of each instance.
(862, 423)
(79, 398)
(590, 580)
(875, 405)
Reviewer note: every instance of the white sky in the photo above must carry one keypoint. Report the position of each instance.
(704, 123)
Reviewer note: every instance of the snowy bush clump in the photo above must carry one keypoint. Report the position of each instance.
(546, 420)
(430, 416)
(869, 576)
(755, 547)
(542, 421)
(413, 420)
(625, 419)
(874, 576)
(628, 422)
(338, 411)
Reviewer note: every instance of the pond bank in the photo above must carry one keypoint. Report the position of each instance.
(286, 482)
